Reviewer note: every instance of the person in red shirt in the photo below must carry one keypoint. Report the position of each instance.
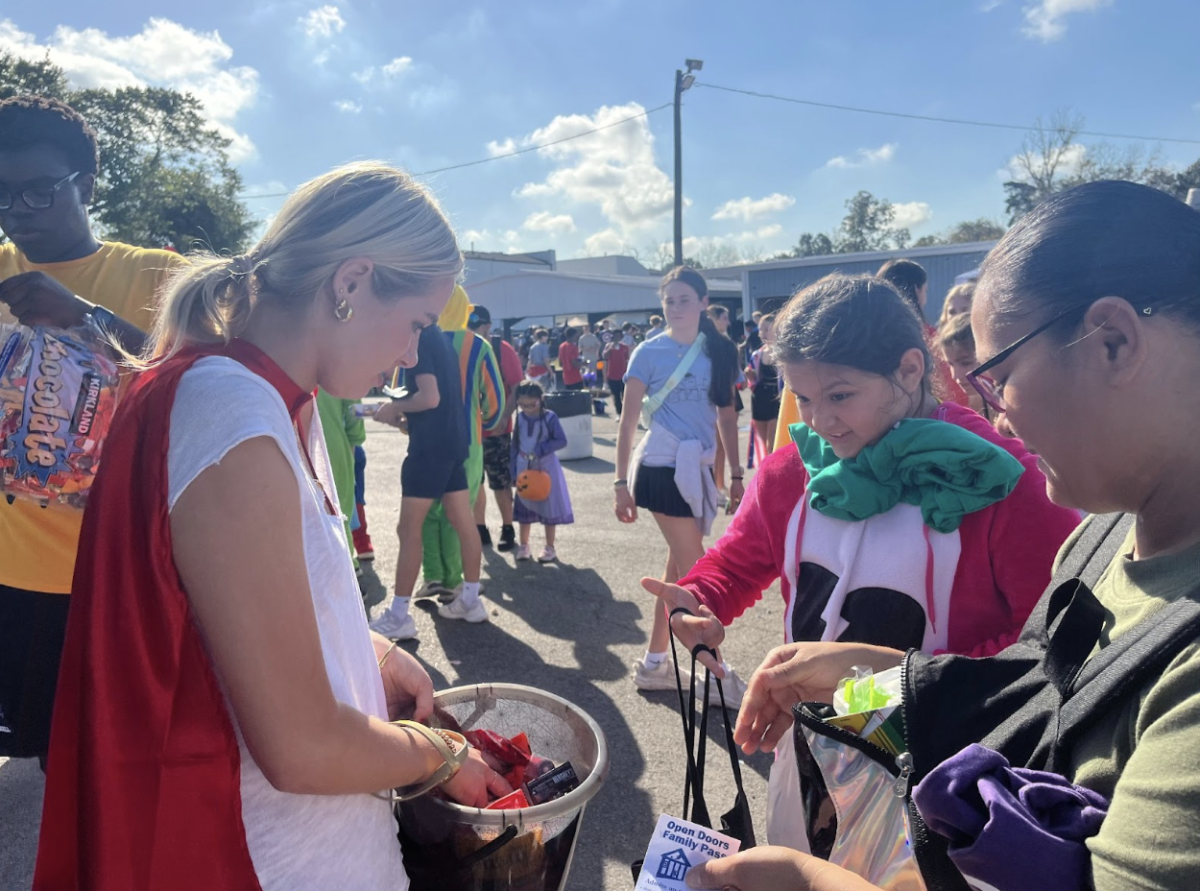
(616, 363)
(498, 443)
(571, 361)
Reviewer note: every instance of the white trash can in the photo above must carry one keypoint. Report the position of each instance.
(574, 410)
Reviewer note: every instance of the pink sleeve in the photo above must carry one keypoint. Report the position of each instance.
(747, 559)
(1027, 531)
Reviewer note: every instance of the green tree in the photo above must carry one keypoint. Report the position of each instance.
(165, 176)
(810, 245)
(965, 232)
(1052, 159)
(22, 76)
(869, 225)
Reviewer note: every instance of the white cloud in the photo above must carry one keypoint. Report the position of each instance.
(425, 88)
(719, 250)
(384, 75)
(607, 241)
(544, 221)
(163, 54)
(348, 106)
(912, 214)
(397, 66)
(1068, 164)
(989, 5)
(865, 157)
(323, 22)
(486, 240)
(613, 169)
(495, 149)
(762, 233)
(748, 209)
(1045, 20)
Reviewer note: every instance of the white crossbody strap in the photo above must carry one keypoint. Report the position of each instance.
(651, 404)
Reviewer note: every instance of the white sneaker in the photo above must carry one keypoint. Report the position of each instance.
(446, 595)
(660, 677)
(548, 555)
(455, 609)
(395, 627)
(524, 553)
(430, 589)
(734, 687)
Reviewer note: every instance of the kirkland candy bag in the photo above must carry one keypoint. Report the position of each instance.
(58, 392)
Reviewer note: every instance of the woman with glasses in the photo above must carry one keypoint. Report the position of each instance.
(1098, 289)
(889, 518)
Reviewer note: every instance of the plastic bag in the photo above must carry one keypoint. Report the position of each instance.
(866, 691)
(58, 394)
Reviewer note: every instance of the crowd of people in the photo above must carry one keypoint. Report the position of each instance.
(219, 719)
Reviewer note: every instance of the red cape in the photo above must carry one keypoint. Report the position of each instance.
(143, 784)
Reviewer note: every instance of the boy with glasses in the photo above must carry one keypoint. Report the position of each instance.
(53, 272)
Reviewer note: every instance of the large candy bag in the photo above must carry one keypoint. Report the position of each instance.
(58, 392)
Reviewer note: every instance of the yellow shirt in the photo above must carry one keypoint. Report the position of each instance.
(37, 545)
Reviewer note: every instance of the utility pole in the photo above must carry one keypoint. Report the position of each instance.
(683, 82)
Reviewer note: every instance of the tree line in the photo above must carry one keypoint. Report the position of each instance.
(165, 176)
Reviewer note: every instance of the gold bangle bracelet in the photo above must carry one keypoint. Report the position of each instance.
(442, 740)
(388, 652)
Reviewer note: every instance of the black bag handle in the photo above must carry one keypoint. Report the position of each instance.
(688, 718)
(730, 745)
(693, 792)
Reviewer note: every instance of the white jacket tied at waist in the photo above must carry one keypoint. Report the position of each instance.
(693, 470)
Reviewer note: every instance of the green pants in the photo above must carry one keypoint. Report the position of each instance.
(442, 553)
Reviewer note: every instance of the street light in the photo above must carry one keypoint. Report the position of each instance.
(683, 81)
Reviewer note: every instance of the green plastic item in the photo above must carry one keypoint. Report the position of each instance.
(862, 695)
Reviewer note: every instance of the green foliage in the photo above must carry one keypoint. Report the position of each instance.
(165, 176)
(867, 226)
(1052, 159)
(965, 232)
(18, 76)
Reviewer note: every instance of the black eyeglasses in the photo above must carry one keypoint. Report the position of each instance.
(986, 387)
(38, 198)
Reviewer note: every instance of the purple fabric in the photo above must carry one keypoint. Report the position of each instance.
(1013, 828)
(541, 436)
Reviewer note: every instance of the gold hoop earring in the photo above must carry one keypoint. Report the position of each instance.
(343, 311)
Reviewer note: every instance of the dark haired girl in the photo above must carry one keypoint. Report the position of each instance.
(1096, 292)
(688, 374)
(538, 435)
(892, 519)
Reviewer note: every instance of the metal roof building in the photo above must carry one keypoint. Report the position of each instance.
(535, 293)
(767, 285)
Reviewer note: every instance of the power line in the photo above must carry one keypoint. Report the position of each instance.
(512, 154)
(939, 120)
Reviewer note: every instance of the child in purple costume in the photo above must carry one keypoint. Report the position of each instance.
(537, 436)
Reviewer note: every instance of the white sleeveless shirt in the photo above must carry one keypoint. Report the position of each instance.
(296, 842)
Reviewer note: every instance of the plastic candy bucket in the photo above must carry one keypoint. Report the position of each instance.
(448, 847)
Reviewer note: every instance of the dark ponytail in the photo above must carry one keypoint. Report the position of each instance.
(721, 351)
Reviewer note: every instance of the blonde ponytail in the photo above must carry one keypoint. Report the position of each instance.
(368, 209)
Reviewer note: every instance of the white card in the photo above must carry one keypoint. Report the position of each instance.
(676, 847)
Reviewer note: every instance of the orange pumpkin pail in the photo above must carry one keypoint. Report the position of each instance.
(533, 485)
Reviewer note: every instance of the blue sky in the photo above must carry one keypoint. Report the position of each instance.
(303, 86)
